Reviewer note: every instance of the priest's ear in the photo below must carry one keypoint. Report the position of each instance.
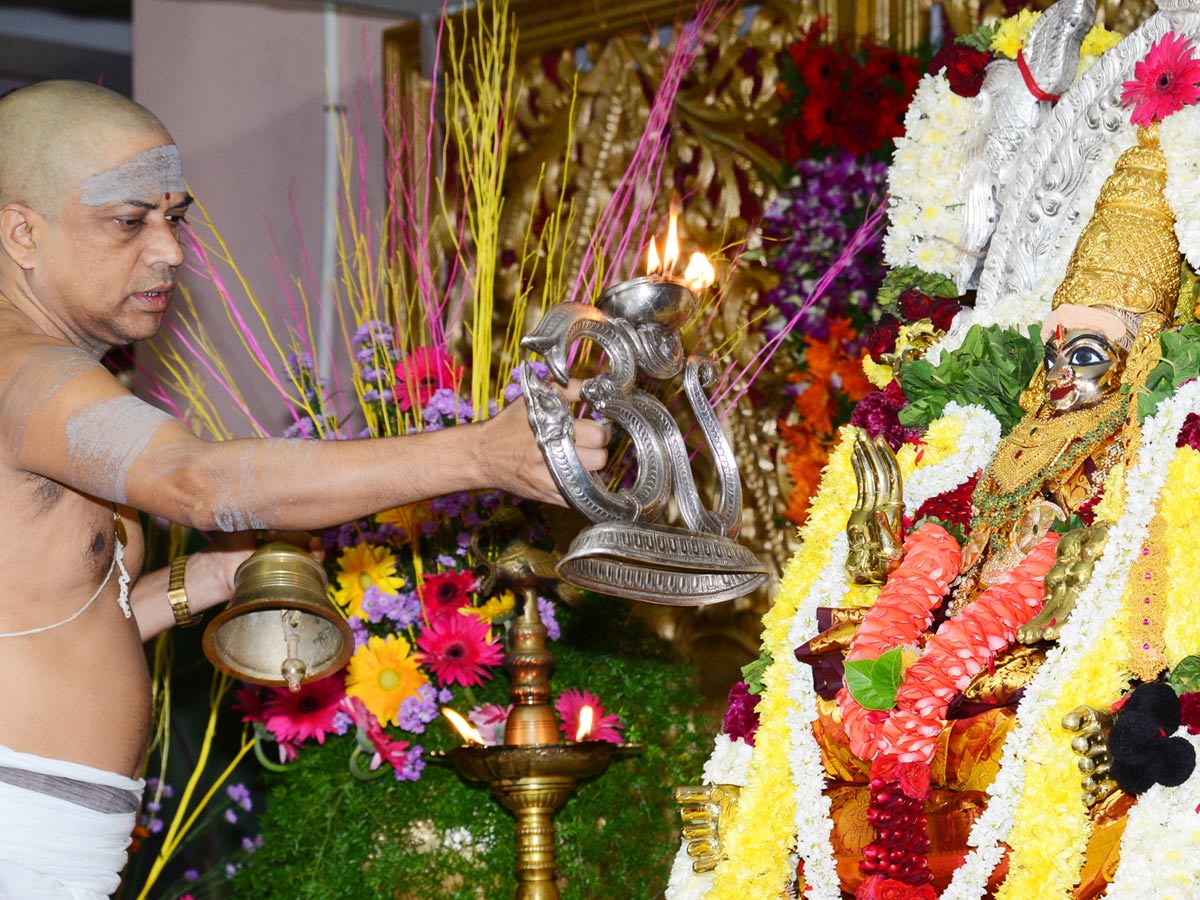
(17, 237)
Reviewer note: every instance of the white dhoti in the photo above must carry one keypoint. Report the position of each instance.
(64, 828)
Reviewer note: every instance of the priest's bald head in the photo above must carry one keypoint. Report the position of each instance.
(91, 193)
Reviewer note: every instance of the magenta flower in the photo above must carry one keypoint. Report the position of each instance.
(422, 373)
(306, 714)
(457, 650)
(605, 727)
(1166, 81)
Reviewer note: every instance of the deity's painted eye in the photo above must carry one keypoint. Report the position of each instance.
(1087, 356)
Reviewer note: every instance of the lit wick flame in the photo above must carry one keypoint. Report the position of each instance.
(699, 273)
(586, 715)
(468, 731)
(671, 250)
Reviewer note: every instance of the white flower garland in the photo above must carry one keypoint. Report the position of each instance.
(1095, 606)
(729, 762)
(976, 446)
(1162, 836)
(926, 193)
(1177, 137)
(685, 883)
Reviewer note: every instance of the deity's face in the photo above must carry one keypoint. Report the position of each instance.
(1082, 368)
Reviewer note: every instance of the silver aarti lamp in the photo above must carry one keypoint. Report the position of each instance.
(637, 325)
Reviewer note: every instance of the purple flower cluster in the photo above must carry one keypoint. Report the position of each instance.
(402, 609)
(515, 389)
(809, 225)
(413, 765)
(549, 618)
(878, 414)
(418, 711)
(446, 408)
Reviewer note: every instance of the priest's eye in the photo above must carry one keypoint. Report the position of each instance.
(1087, 356)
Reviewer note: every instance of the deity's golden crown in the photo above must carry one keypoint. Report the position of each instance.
(1127, 257)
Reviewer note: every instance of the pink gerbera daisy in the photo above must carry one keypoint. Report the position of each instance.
(422, 373)
(490, 720)
(247, 700)
(1166, 81)
(306, 714)
(457, 649)
(605, 727)
(446, 593)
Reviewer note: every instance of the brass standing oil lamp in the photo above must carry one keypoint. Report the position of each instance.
(533, 772)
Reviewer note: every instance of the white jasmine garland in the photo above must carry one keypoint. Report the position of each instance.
(1160, 842)
(1094, 607)
(729, 762)
(976, 446)
(685, 883)
(926, 193)
(1177, 137)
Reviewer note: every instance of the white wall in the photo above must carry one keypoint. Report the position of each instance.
(242, 88)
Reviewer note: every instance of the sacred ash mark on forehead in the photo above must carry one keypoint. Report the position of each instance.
(152, 173)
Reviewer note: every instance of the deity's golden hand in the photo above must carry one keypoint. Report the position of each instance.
(703, 809)
(875, 528)
(1074, 559)
(1091, 727)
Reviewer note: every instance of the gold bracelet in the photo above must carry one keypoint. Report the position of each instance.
(177, 595)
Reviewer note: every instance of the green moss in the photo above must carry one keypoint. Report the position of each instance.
(328, 836)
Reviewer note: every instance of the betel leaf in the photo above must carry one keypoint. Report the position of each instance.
(991, 367)
(902, 278)
(873, 682)
(1185, 677)
(1180, 362)
(752, 672)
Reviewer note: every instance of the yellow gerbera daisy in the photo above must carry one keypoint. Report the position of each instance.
(1011, 35)
(408, 517)
(383, 674)
(361, 567)
(496, 608)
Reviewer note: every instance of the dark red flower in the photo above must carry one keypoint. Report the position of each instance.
(881, 338)
(914, 306)
(1189, 434)
(965, 67)
(446, 593)
(877, 413)
(1189, 711)
(741, 719)
(953, 506)
(878, 887)
(248, 700)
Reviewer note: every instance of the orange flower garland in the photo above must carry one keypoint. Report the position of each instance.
(901, 614)
(961, 648)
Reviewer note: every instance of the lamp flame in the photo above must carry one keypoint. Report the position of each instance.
(653, 263)
(586, 715)
(468, 731)
(671, 249)
(699, 274)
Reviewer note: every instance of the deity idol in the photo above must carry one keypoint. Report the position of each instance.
(911, 725)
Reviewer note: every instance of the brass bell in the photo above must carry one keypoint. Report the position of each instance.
(280, 628)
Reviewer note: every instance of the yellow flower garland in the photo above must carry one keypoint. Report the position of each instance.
(1181, 631)
(757, 861)
(1052, 825)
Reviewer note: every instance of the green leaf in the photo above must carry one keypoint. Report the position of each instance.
(752, 672)
(1180, 362)
(1185, 677)
(902, 278)
(873, 682)
(992, 367)
(980, 38)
